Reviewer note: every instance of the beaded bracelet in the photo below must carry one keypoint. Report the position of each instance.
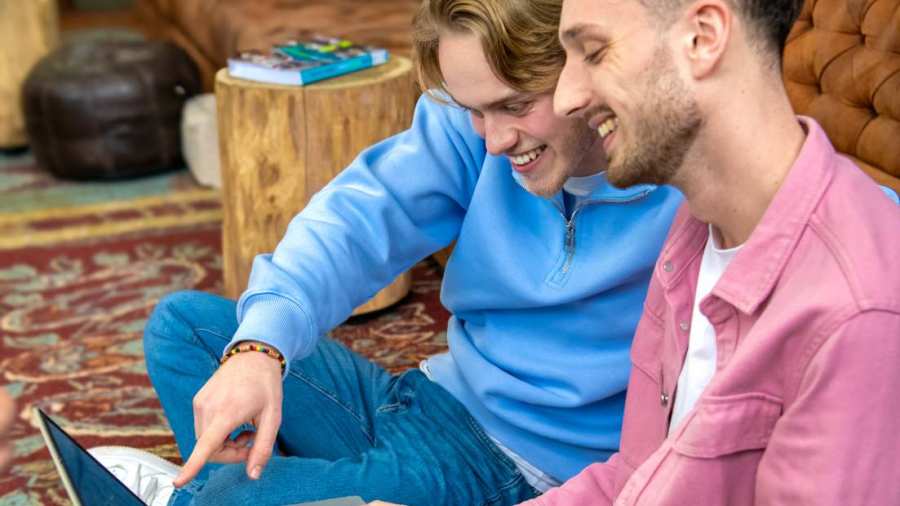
(245, 346)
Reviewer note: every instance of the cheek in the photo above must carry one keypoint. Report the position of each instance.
(541, 131)
(541, 124)
(602, 84)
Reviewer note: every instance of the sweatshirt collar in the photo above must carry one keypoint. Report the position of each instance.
(594, 187)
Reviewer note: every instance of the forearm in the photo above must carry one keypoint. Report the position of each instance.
(397, 202)
(595, 485)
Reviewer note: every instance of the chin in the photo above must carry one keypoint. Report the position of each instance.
(545, 193)
(619, 179)
(543, 188)
(632, 175)
(624, 177)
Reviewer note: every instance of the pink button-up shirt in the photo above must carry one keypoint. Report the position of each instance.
(804, 406)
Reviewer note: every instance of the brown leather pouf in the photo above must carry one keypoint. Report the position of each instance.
(109, 108)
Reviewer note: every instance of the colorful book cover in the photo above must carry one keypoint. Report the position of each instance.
(301, 62)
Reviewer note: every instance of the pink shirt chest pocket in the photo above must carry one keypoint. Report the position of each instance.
(722, 425)
(712, 457)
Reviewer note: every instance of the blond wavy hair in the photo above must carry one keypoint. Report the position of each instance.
(519, 39)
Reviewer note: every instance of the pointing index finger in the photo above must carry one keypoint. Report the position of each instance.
(208, 444)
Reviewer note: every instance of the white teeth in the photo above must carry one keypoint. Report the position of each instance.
(526, 157)
(607, 127)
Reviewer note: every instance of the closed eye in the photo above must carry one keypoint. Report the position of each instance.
(594, 57)
(517, 108)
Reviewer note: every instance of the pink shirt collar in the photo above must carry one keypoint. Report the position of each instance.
(756, 268)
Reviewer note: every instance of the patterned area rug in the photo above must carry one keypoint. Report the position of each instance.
(81, 267)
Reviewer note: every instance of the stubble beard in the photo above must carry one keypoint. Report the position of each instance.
(663, 131)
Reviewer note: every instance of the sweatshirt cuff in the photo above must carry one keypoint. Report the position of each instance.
(278, 322)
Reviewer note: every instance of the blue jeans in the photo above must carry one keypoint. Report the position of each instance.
(348, 426)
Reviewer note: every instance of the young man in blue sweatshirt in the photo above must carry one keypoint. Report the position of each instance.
(545, 285)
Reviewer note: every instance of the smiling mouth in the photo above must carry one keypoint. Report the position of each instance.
(608, 127)
(527, 157)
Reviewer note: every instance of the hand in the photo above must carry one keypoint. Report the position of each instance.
(246, 389)
(7, 415)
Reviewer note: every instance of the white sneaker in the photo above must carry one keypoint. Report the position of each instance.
(145, 474)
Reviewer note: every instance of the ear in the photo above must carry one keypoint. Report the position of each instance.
(709, 25)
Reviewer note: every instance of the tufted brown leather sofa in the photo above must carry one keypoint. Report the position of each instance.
(842, 67)
(213, 30)
(841, 63)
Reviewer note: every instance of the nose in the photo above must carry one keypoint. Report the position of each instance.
(572, 95)
(499, 134)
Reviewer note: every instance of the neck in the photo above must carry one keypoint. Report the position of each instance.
(740, 158)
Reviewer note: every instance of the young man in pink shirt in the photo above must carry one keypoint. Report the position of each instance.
(766, 366)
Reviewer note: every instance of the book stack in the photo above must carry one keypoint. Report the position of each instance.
(301, 62)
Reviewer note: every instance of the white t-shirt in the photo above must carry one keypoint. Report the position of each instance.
(700, 362)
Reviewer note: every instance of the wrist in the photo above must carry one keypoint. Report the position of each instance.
(255, 347)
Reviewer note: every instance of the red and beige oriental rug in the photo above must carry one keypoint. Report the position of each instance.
(81, 267)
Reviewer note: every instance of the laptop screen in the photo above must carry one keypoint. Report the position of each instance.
(94, 485)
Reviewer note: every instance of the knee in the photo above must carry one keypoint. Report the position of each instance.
(168, 324)
(229, 485)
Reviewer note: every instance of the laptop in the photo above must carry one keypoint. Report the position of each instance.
(88, 483)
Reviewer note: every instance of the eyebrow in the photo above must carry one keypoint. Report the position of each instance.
(516, 96)
(573, 33)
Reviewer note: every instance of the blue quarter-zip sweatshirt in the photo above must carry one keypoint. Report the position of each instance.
(543, 307)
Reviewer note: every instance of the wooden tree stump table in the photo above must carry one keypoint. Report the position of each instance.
(29, 29)
(279, 145)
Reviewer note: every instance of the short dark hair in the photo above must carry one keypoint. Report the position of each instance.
(770, 20)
